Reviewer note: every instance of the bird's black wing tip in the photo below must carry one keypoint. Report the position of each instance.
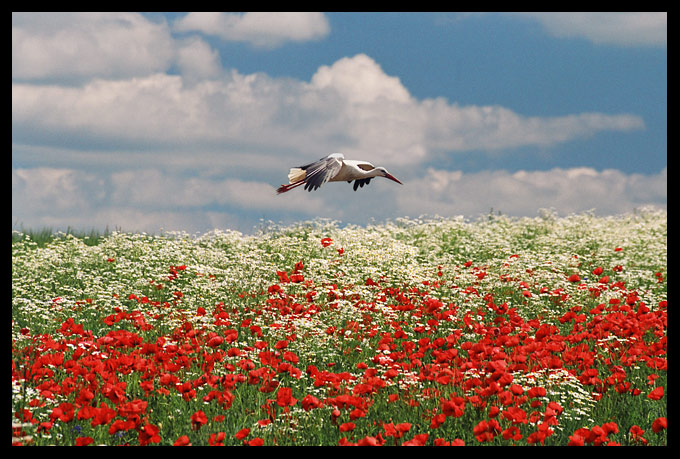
(361, 182)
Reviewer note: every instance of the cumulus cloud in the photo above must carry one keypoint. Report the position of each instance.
(83, 45)
(261, 29)
(66, 190)
(146, 200)
(151, 200)
(523, 192)
(351, 106)
(117, 140)
(617, 28)
(452, 127)
(360, 79)
(197, 60)
(155, 189)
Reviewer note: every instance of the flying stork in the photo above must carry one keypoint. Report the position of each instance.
(334, 168)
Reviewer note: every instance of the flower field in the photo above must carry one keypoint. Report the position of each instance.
(501, 331)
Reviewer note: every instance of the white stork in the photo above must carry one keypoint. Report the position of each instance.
(334, 168)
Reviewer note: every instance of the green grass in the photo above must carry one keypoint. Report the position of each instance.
(42, 237)
(400, 316)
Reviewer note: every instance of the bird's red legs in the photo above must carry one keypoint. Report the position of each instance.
(290, 186)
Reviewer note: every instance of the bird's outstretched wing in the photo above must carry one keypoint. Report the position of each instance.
(321, 171)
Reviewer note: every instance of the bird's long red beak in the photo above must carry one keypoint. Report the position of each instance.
(392, 177)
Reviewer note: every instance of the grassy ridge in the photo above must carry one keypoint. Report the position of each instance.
(315, 334)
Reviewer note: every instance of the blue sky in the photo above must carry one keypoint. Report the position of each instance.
(152, 122)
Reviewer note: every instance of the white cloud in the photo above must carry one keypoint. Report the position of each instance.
(67, 190)
(151, 200)
(372, 115)
(452, 127)
(144, 200)
(91, 93)
(258, 28)
(152, 188)
(617, 28)
(82, 45)
(360, 79)
(524, 192)
(197, 60)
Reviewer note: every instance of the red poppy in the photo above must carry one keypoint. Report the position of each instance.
(291, 357)
(516, 389)
(103, 415)
(217, 439)
(481, 432)
(515, 414)
(230, 335)
(656, 394)
(485, 431)
(512, 433)
(87, 412)
(370, 441)
(610, 428)
(437, 421)
(149, 434)
(347, 426)
(418, 440)
(325, 242)
(658, 425)
(198, 419)
(536, 392)
(597, 435)
(403, 427)
(64, 412)
(84, 441)
(284, 397)
(241, 434)
(134, 408)
(215, 341)
(357, 413)
(577, 439)
(283, 277)
(541, 434)
(636, 434)
(310, 402)
(182, 441)
(119, 425)
(453, 407)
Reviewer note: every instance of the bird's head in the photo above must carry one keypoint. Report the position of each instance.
(383, 172)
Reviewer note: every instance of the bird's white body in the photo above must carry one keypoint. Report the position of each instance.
(352, 170)
(334, 168)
